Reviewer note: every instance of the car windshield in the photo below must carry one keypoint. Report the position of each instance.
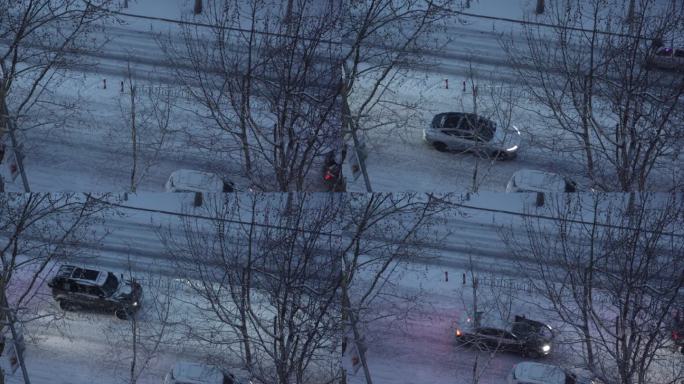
(111, 284)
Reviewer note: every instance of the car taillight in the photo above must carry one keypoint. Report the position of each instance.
(328, 176)
(458, 333)
(675, 335)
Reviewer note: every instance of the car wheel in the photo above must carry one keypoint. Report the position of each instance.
(66, 306)
(122, 314)
(440, 146)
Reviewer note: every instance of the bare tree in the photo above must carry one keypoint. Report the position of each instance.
(147, 115)
(610, 267)
(268, 283)
(40, 37)
(383, 234)
(604, 107)
(138, 343)
(267, 78)
(386, 40)
(37, 230)
(482, 296)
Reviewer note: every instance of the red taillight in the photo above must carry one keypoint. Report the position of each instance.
(675, 335)
(328, 176)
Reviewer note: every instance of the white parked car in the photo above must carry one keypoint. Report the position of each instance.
(186, 180)
(536, 373)
(528, 180)
(667, 58)
(192, 373)
(469, 132)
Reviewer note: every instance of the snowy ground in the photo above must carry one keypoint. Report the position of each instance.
(399, 160)
(91, 149)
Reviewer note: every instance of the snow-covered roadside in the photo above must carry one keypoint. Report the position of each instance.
(87, 347)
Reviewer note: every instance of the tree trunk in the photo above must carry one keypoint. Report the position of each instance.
(540, 7)
(198, 7)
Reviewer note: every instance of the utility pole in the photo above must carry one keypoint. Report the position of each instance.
(17, 339)
(11, 125)
(347, 122)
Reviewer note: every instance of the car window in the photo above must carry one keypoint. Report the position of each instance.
(110, 284)
(488, 332)
(456, 133)
(507, 335)
(485, 130)
(679, 53)
(451, 121)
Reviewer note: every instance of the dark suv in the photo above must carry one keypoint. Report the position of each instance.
(524, 336)
(75, 288)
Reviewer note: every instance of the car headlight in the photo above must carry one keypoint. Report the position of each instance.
(135, 303)
(546, 348)
(511, 149)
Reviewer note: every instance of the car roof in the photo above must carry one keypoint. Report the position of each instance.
(82, 275)
(196, 181)
(195, 373)
(537, 373)
(538, 181)
(487, 320)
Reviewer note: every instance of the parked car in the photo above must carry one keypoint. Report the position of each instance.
(524, 336)
(469, 132)
(667, 58)
(192, 373)
(528, 180)
(536, 373)
(83, 288)
(186, 180)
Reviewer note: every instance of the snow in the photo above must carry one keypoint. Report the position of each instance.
(84, 155)
(539, 373)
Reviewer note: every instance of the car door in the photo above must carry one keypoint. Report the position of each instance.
(97, 298)
(487, 337)
(510, 342)
(467, 133)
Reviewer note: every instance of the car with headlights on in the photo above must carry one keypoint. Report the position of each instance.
(668, 58)
(523, 336)
(468, 132)
(93, 289)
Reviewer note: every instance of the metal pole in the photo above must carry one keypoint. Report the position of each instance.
(18, 156)
(19, 351)
(11, 126)
(347, 122)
